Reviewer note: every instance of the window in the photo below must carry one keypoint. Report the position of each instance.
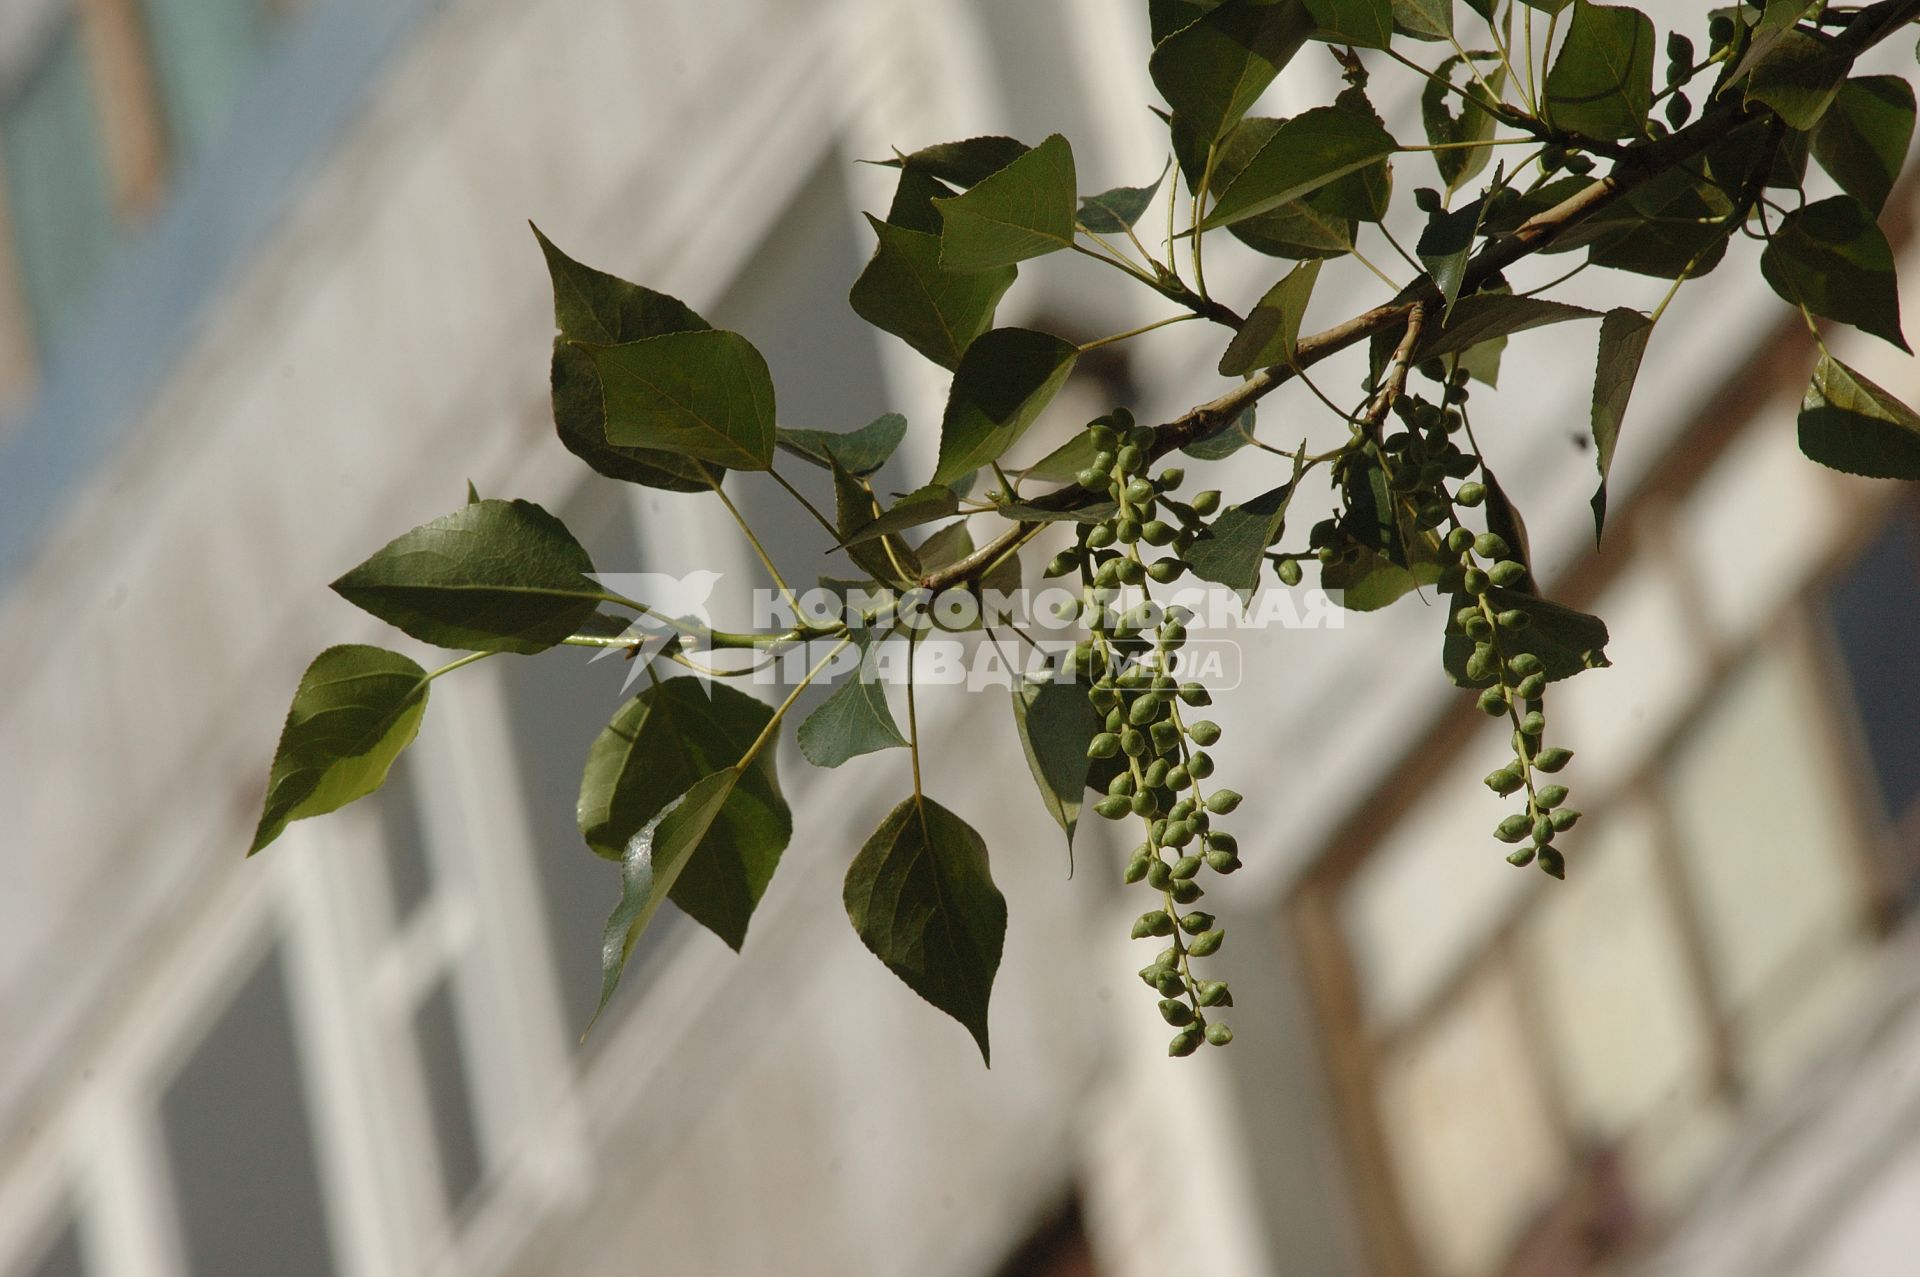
(205, 51)
(246, 1184)
(59, 190)
(449, 1094)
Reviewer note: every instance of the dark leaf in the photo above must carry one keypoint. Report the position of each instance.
(1850, 424)
(1831, 258)
(1475, 123)
(1623, 341)
(1601, 82)
(1005, 380)
(1024, 210)
(1233, 549)
(1367, 23)
(1056, 723)
(1112, 212)
(1272, 328)
(921, 896)
(913, 196)
(1485, 316)
(1212, 71)
(1304, 154)
(1164, 17)
(1798, 76)
(496, 576)
(853, 721)
(861, 451)
(1863, 138)
(1064, 462)
(878, 550)
(1445, 245)
(1566, 641)
(906, 291)
(705, 395)
(1225, 440)
(965, 162)
(357, 707)
(1424, 19)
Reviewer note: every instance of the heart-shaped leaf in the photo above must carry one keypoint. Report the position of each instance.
(1273, 326)
(1234, 548)
(705, 395)
(905, 290)
(493, 576)
(861, 451)
(1115, 211)
(1213, 70)
(1831, 258)
(1601, 82)
(855, 720)
(1024, 210)
(1566, 641)
(1005, 380)
(1863, 138)
(357, 707)
(1623, 341)
(1056, 723)
(1850, 424)
(921, 896)
(1304, 154)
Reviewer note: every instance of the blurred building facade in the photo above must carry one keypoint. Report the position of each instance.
(267, 299)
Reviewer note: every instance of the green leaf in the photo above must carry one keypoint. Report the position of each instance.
(963, 163)
(1446, 244)
(651, 867)
(473, 494)
(921, 896)
(1863, 138)
(1212, 71)
(913, 196)
(705, 395)
(1566, 641)
(1849, 424)
(1314, 227)
(1382, 559)
(1485, 316)
(496, 576)
(879, 554)
(861, 451)
(1367, 23)
(590, 305)
(922, 505)
(1223, 440)
(1233, 549)
(1056, 723)
(854, 720)
(1623, 341)
(1164, 17)
(1063, 463)
(1672, 226)
(1272, 328)
(1424, 19)
(1024, 210)
(1798, 76)
(1112, 212)
(1304, 154)
(1475, 123)
(356, 708)
(905, 290)
(1005, 380)
(1831, 258)
(660, 745)
(1601, 83)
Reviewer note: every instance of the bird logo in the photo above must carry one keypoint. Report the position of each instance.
(674, 612)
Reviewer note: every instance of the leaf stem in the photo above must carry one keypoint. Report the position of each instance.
(1098, 342)
(805, 504)
(773, 724)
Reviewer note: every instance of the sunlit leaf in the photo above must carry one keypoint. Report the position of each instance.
(1850, 424)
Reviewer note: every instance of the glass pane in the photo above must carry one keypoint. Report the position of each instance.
(203, 50)
(1875, 612)
(1475, 1154)
(57, 189)
(556, 706)
(235, 1120)
(449, 1096)
(63, 1257)
(1764, 831)
(409, 870)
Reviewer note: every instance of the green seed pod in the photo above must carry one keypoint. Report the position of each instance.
(1140, 928)
(1177, 778)
(1112, 808)
(1196, 922)
(1552, 796)
(1288, 571)
(1061, 564)
(1139, 492)
(1200, 766)
(1144, 803)
(1222, 801)
(1552, 760)
(1108, 575)
(1130, 458)
(1100, 536)
(1205, 503)
(1564, 818)
(1121, 786)
(1205, 732)
(1091, 479)
(1478, 629)
(1185, 893)
(1213, 993)
(1179, 834)
(1157, 532)
(1504, 781)
(1207, 943)
(1222, 862)
(1144, 710)
(1507, 572)
(1103, 437)
(1127, 529)
(1105, 745)
(1475, 581)
(1512, 829)
(1131, 571)
(1219, 1034)
(1166, 737)
(1553, 862)
(1136, 869)
(1195, 694)
(1133, 743)
(1513, 619)
(1176, 1013)
(1465, 615)
(1470, 494)
(1186, 868)
(1520, 857)
(1492, 702)
(1159, 874)
(1223, 841)
(1172, 637)
(1169, 983)
(1156, 774)
(1157, 922)
(1482, 661)
(1543, 830)
(1531, 687)
(1533, 724)
(1158, 831)
(1171, 478)
(1166, 571)
(1184, 1043)
(1460, 540)
(1116, 719)
(1526, 663)
(1103, 697)
(1489, 545)
(1181, 810)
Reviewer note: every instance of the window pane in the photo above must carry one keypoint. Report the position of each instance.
(1475, 1155)
(1875, 612)
(449, 1096)
(57, 190)
(235, 1120)
(203, 50)
(409, 870)
(1764, 831)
